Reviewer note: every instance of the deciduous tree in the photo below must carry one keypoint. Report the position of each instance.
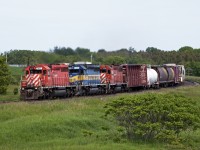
(4, 75)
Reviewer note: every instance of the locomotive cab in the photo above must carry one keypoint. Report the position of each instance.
(32, 75)
(76, 73)
(105, 74)
(32, 81)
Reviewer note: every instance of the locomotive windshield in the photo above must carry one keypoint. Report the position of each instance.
(105, 71)
(35, 71)
(74, 71)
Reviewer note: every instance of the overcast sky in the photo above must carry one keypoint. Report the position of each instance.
(96, 24)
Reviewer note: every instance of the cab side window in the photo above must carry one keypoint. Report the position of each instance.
(81, 72)
(48, 72)
(44, 72)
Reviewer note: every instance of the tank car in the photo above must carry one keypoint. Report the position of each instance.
(152, 78)
(169, 74)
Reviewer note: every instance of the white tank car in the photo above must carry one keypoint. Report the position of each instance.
(152, 77)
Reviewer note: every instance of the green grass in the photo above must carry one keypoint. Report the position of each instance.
(16, 73)
(9, 96)
(193, 78)
(16, 70)
(70, 124)
(76, 123)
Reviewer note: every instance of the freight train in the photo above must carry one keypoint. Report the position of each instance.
(47, 81)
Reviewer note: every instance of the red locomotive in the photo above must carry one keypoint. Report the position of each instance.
(43, 81)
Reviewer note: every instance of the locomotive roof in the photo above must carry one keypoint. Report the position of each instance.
(41, 66)
(83, 66)
(134, 64)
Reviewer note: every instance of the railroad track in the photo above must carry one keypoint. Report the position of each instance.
(186, 83)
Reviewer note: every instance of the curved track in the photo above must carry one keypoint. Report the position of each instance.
(186, 83)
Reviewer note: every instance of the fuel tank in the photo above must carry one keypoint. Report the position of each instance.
(59, 93)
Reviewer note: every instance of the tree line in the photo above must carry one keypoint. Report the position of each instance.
(186, 55)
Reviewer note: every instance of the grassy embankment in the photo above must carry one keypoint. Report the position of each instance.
(193, 78)
(76, 123)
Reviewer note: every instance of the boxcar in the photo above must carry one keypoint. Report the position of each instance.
(135, 75)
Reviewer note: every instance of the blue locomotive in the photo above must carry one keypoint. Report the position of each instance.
(84, 74)
(86, 77)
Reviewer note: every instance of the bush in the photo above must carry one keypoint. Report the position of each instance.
(15, 91)
(3, 89)
(15, 79)
(4, 75)
(155, 116)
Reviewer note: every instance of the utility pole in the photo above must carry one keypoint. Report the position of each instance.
(91, 58)
(28, 61)
(6, 58)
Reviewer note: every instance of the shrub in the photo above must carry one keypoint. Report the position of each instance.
(15, 79)
(15, 91)
(4, 75)
(155, 116)
(3, 89)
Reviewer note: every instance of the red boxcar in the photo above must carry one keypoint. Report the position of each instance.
(135, 75)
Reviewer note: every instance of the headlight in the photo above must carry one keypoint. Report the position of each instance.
(35, 88)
